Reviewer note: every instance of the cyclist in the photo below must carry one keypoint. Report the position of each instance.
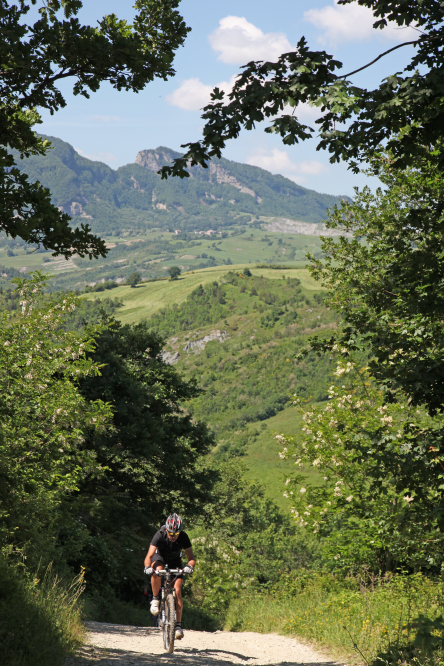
(166, 548)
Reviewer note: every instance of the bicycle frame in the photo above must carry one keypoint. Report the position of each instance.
(167, 616)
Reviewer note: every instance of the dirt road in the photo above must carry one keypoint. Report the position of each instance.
(120, 645)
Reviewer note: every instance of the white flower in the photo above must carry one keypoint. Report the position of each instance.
(287, 482)
(407, 499)
(316, 462)
(7, 343)
(349, 499)
(303, 490)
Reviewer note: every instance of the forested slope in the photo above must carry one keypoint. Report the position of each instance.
(237, 338)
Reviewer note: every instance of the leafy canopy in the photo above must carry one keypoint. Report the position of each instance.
(405, 111)
(387, 279)
(35, 58)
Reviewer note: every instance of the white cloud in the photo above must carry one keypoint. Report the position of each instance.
(278, 161)
(97, 157)
(238, 41)
(104, 119)
(192, 94)
(352, 23)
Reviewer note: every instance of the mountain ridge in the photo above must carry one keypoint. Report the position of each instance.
(134, 195)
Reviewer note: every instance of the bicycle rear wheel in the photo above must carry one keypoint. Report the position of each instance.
(169, 625)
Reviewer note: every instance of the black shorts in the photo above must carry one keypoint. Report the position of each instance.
(172, 564)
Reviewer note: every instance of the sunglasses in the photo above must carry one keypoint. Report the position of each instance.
(174, 533)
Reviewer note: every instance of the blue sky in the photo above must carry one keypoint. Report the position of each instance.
(113, 126)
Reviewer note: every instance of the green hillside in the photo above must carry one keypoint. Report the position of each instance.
(149, 297)
(134, 196)
(254, 326)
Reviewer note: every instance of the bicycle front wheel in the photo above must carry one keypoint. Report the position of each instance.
(169, 625)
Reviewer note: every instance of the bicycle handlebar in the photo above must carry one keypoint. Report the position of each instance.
(163, 572)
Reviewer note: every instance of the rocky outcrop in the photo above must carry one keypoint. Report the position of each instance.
(223, 176)
(76, 209)
(137, 184)
(153, 160)
(170, 358)
(293, 227)
(199, 345)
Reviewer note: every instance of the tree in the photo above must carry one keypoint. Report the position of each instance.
(150, 454)
(35, 58)
(247, 272)
(134, 279)
(405, 111)
(380, 501)
(387, 279)
(174, 272)
(43, 417)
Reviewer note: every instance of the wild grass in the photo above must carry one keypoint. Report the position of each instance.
(392, 619)
(40, 619)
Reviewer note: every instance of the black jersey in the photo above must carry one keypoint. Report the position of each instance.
(170, 550)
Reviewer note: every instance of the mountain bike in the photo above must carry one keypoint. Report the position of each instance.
(167, 612)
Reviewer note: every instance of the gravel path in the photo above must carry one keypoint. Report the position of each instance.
(120, 645)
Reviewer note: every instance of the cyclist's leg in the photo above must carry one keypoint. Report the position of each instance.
(157, 563)
(155, 586)
(179, 604)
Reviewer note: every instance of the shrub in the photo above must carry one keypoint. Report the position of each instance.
(134, 279)
(39, 620)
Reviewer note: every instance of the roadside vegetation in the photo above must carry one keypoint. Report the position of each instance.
(40, 617)
(365, 618)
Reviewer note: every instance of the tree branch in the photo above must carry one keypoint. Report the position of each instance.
(344, 76)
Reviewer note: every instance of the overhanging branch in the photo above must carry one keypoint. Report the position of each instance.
(344, 76)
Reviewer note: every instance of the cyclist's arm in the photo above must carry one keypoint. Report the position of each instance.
(150, 555)
(190, 555)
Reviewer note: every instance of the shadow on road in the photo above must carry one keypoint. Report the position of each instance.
(89, 656)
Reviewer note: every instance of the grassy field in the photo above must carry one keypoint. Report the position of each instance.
(394, 619)
(144, 300)
(263, 459)
(153, 252)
